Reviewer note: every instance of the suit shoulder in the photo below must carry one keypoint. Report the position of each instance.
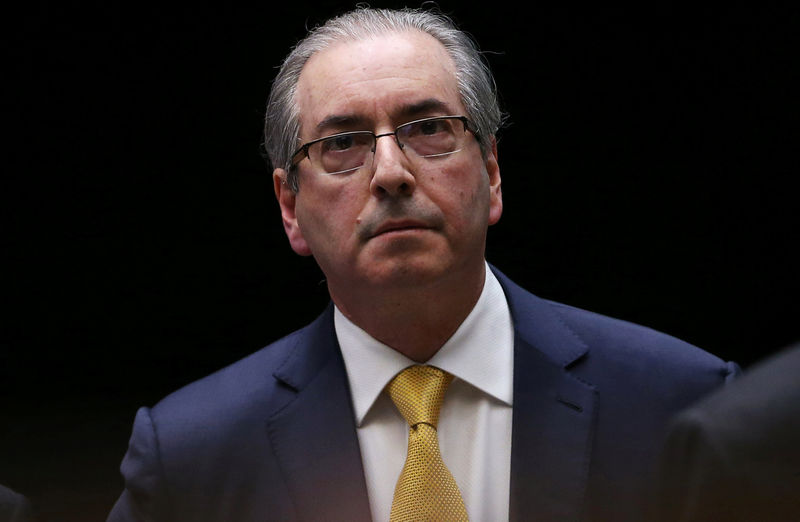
(568, 333)
(244, 385)
(631, 339)
(638, 366)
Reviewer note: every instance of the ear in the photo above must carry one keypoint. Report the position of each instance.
(495, 193)
(287, 199)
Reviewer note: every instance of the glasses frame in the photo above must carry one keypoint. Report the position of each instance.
(304, 148)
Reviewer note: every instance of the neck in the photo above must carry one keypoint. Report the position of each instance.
(415, 321)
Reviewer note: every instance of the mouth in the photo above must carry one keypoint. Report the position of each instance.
(392, 227)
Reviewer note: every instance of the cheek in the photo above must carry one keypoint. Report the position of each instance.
(467, 195)
(326, 213)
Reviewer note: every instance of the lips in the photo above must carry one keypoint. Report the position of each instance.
(396, 226)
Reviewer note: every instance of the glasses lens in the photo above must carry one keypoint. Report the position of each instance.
(342, 152)
(433, 137)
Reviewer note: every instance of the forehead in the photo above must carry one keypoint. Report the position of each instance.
(376, 80)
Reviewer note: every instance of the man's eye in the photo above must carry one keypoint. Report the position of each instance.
(338, 143)
(430, 127)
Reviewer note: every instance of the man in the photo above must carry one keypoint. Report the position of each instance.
(381, 127)
(735, 455)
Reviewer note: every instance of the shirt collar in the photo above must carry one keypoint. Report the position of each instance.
(480, 352)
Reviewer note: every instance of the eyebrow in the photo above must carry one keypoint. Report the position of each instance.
(340, 121)
(409, 111)
(423, 108)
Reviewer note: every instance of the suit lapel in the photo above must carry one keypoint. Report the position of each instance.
(314, 435)
(551, 439)
(554, 413)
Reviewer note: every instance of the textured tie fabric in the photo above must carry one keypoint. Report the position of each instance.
(426, 489)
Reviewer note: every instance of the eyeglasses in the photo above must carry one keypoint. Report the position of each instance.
(348, 151)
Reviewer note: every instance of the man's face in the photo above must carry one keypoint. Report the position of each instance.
(397, 221)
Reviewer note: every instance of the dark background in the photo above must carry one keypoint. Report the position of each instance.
(646, 175)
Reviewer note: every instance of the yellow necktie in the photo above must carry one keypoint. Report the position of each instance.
(425, 490)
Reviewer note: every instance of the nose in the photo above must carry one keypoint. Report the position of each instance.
(392, 174)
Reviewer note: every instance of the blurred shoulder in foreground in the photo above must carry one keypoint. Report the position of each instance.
(735, 455)
(13, 506)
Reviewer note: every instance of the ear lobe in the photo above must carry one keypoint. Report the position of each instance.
(287, 199)
(495, 192)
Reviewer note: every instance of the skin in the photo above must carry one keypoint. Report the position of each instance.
(401, 242)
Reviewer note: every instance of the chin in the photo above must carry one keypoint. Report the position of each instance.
(410, 272)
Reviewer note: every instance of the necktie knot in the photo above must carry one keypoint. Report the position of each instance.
(417, 392)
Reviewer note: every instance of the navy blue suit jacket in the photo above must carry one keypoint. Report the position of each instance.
(273, 436)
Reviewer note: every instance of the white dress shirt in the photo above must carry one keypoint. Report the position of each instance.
(475, 422)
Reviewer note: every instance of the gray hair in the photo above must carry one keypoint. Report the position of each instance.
(475, 81)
